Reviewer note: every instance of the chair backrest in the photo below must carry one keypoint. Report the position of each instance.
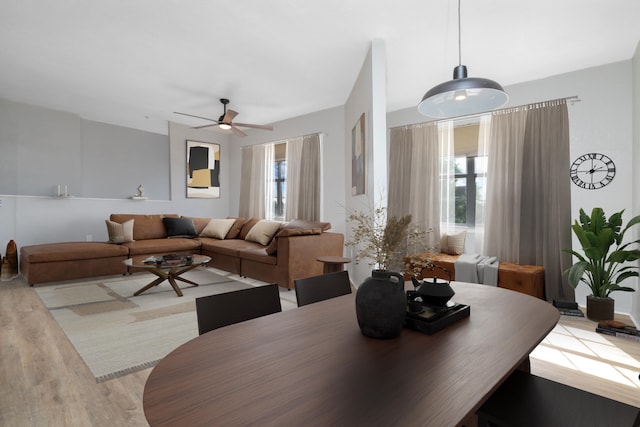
(319, 288)
(216, 311)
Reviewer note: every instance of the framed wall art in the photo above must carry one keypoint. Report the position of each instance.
(357, 157)
(203, 170)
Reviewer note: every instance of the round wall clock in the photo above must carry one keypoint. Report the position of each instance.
(592, 171)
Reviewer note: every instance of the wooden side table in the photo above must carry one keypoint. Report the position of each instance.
(333, 263)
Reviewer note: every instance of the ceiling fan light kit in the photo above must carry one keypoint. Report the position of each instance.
(225, 121)
(463, 95)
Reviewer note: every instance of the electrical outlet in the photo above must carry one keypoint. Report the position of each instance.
(89, 237)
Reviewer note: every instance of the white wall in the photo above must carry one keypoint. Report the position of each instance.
(600, 122)
(329, 122)
(368, 96)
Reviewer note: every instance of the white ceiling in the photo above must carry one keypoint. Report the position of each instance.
(134, 62)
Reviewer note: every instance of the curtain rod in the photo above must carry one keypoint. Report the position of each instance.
(540, 104)
(282, 141)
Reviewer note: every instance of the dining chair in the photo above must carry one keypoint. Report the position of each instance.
(318, 288)
(216, 311)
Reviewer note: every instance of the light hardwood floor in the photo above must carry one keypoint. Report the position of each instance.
(44, 382)
(574, 354)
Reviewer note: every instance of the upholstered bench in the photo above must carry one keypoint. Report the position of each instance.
(71, 260)
(527, 279)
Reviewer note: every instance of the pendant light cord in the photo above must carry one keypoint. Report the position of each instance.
(459, 37)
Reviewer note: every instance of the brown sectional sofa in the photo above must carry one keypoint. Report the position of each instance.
(289, 255)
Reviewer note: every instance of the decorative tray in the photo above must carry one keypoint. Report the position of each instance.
(433, 318)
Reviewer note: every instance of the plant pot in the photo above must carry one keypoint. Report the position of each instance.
(381, 305)
(600, 308)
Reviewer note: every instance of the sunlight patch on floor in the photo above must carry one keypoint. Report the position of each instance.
(580, 350)
(552, 355)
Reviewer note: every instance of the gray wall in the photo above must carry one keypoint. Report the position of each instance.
(42, 148)
(101, 164)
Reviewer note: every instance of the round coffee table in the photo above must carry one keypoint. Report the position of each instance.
(167, 267)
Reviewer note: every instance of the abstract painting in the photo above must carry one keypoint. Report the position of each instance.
(203, 170)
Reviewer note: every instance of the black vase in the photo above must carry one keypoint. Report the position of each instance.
(381, 304)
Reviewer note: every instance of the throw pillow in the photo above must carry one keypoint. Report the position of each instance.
(246, 227)
(234, 232)
(120, 233)
(218, 228)
(453, 244)
(179, 227)
(263, 231)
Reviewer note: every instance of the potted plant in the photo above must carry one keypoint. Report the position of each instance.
(379, 239)
(380, 300)
(604, 265)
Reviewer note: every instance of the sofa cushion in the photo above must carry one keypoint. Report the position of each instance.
(145, 226)
(218, 228)
(120, 233)
(263, 231)
(179, 227)
(234, 231)
(199, 223)
(305, 224)
(247, 227)
(162, 246)
(272, 248)
(258, 255)
(231, 247)
(71, 251)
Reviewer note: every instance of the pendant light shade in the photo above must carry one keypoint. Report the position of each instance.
(463, 95)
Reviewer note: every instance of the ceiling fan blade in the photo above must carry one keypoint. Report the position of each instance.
(229, 116)
(205, 126)
(197, 117)
(247, 125)
(237, 131)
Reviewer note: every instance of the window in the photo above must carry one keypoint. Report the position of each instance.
(272, 185)
(470, 181)
(279, 189)
(463, 183)
(279, 182)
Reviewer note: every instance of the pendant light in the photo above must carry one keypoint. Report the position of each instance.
(463, 95)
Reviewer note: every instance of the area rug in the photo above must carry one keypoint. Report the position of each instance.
(117, 333)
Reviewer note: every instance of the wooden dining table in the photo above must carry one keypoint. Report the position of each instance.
(311, 366)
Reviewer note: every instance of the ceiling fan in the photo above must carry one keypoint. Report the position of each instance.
(225, 121)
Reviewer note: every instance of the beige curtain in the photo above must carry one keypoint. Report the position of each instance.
(257, 181)
(546, 211)
(303, 178)
(400, 152)
(447, 178)
(504, 166)
(528, 213)
(293, 156)
(414, 179)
